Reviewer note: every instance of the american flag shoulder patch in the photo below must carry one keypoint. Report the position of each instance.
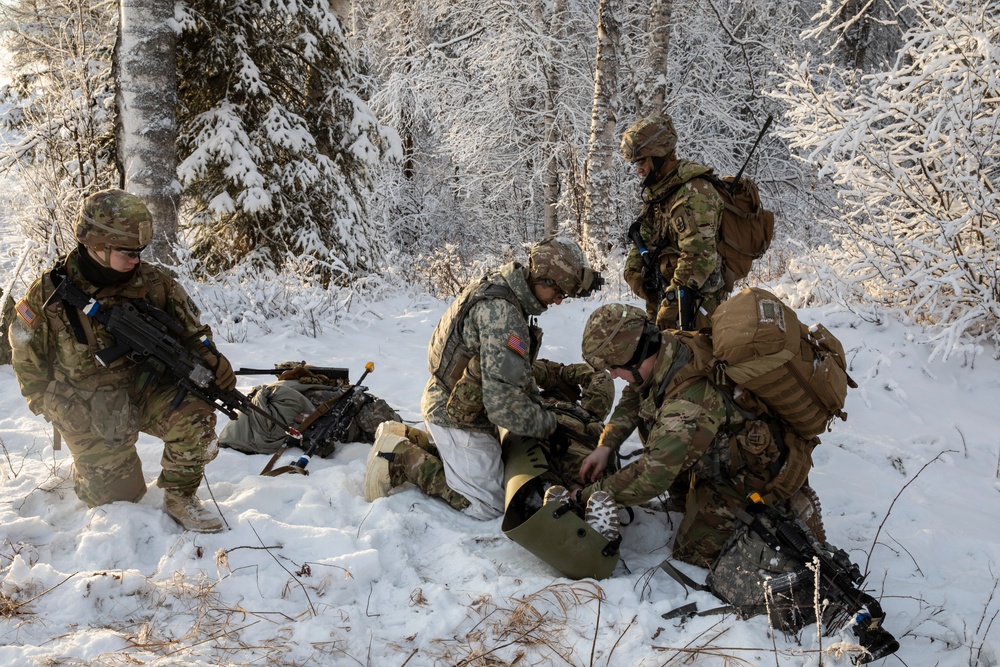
(515, 343)
(25, 312)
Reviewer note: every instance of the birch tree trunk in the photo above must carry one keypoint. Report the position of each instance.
(659, 51)
(550, 176)
(146, 126)
(600, 156)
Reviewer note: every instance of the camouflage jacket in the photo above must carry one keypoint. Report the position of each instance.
(694, 427)
(44, 344)
(496, 334)
(683, 227)
(593, 390)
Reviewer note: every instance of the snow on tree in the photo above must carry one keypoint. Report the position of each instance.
(146, 100)
(914, 151)
(492, 100)
(59, 115)
(276, 147)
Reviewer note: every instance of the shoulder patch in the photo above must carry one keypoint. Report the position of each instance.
(515, 343)
(25, 312)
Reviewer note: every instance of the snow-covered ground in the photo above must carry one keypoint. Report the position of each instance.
(308, 573)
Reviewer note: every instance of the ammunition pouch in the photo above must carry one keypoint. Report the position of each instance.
(561, 539)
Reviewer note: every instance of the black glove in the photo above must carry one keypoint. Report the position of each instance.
(559, 440)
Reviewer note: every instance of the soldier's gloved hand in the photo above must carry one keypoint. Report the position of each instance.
(559, 440)
(666, 316)
(225, 378)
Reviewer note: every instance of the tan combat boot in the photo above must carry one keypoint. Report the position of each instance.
(389, 437)
(190, 513)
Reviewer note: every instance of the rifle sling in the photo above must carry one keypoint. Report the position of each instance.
(57, 275)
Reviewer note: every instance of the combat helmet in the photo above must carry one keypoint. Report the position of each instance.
(114, 219)
(618, 335)
(560, 263)
(653, 136)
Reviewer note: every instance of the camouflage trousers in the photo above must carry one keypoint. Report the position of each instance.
(417, 461)
(106, 465)
(709, 520)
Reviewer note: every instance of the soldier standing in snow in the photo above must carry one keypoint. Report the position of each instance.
(100, 410)
(679, 223)
(480, 358)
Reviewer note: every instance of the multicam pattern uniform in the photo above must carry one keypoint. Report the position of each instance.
(100, 411)
(684, 227)
(688, 441)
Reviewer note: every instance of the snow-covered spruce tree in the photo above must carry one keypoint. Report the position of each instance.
(59, 116)
(275, 147)
(914, 151)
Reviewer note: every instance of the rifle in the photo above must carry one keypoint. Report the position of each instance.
(789, 537)
(332, 372)
(327, 423)
(650, 271)
(146, 334)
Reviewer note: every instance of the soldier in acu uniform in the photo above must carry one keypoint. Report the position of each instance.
(99, 410)
(707, 445)
(480, 359)
(679, 223)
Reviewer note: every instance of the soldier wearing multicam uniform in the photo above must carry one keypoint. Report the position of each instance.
(709, 445)
(480, 358)
(679, 223)
(99, 410)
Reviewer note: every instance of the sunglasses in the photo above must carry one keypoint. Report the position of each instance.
(130, 253)
(560, 292)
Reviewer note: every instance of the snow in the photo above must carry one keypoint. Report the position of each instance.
(309, 573)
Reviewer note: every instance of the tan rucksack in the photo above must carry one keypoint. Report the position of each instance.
(799, 372)
(746, 229)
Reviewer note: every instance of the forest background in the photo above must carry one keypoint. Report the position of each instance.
(325, 176)
(303, 155)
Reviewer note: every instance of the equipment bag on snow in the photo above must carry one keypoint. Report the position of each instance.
(799, 372)
(773, 565)
(291, 402)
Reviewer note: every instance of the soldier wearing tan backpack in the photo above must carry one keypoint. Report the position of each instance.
(697, 233)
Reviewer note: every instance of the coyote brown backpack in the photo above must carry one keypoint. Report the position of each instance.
(746, 229)
(799, 372)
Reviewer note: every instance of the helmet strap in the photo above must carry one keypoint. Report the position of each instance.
(649, 344)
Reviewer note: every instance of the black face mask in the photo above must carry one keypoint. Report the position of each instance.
(654, 175)
(101, 276)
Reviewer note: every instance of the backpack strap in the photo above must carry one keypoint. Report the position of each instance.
(690, 609)
(57, 275)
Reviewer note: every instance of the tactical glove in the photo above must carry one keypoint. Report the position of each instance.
(666, 316)
(225, 378)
